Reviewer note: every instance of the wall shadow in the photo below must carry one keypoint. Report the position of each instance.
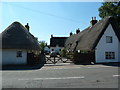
(112, 64)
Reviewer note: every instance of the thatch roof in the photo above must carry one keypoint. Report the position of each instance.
(89, 38)
(16, 36)
(60, 41)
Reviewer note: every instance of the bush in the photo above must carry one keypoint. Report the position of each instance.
(63, 52)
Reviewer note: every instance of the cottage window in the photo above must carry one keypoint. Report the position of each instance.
(19, 54)
(108, 39)
(110, 55)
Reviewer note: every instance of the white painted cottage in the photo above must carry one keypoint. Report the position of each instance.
(57, 43)
(18, 45)
(101, 38)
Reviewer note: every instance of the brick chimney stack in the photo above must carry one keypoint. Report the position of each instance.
(93, 21)
(71, 33)
(51, 35)
(27, 26)
(77, 31)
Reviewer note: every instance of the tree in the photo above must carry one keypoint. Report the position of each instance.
(110, 9)
(42, 45)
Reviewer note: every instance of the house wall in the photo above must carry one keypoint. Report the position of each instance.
(46, 49)
(103, 47)
(9, 57)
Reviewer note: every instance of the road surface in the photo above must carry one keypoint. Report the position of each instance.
(62, 76)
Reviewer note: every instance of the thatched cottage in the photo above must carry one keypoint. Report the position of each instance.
(19, 46)
(99, 43)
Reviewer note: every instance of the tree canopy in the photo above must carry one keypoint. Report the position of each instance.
(110, 9)
(42, 45)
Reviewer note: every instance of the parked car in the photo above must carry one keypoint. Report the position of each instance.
(53, 54)
(47, 52)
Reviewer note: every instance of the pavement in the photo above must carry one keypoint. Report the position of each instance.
(63, 75)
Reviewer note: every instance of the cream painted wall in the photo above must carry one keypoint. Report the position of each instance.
(9, 57)
(103, 47)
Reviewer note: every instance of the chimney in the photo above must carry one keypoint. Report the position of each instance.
(27, 27)
(71, 33)
(77, 31)
(51, 35)
(45, 44)
(93, 21)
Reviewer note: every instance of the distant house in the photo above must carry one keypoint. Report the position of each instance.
(19, 46)
(47, 49)
(57, 43)
(101, 39)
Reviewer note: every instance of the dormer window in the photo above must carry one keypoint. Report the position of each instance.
(109, 39)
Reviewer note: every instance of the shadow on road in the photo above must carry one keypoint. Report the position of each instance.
(112, 64)
(105, 64)
(22, 67)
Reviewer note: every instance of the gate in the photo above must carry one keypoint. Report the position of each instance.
(56, 59)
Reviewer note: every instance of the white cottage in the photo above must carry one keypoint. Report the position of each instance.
(19, 46)
(101, 39)
(57, 43)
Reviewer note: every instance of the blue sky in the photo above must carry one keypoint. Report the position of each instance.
(46, 18)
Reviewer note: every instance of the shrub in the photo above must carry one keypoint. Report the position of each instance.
(63, 52)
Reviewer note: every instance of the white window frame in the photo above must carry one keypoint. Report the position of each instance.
(110, 55)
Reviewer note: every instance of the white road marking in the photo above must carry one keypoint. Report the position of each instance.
(116, 75)
(92, 67)
(67, 68)
(73, 67)
(59, 68)
(97, 66)
(53, 78)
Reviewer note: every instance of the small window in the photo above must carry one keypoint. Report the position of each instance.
(108, 39)
(110, 55)
(19, 54)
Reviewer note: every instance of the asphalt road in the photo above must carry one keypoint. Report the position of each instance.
(62, 76)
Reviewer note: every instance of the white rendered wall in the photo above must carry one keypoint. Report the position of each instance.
(9, 57)
(103, 47)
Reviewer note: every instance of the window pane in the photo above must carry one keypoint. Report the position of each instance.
(108, 39)
(110, 55)
(19, 54)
